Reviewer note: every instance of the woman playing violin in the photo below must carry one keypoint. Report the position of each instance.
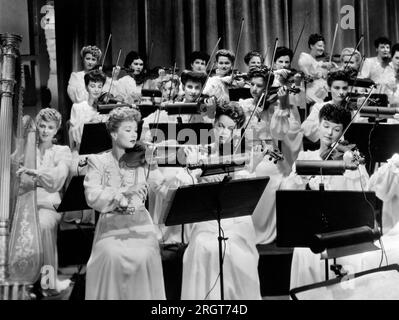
(86, 111)
(125, 262)
(253, 59)
(90, 56)
(316, 91)
(129, 86)
(200, 261)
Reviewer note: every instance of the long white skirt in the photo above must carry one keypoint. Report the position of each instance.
(264, 215)
(307, 268)
(125, 262)
(240, 265)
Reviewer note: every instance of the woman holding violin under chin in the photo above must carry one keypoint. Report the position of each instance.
(316, 91)
(125, 262)
(130, 86)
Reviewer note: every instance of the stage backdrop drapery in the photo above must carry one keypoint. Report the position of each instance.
(177, 27)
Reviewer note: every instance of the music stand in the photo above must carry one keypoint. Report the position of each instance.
(354, 287)
(74, 198)
(383, 140)
(214, 201)
(96, 139)
(239, 93)
(306, 217)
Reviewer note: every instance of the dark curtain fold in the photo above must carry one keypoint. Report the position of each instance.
(178, 27)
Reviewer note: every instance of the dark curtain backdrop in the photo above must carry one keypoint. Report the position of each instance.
(174, 28)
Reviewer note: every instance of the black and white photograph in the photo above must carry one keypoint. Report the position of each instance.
(199, 154)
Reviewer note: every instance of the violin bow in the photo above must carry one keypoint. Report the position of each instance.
(333, 43)
(171, 84)
(263, 96)
(352, 120)
(351, 56)
(300, 34)
(206, 81)
(270, 72)
(238, 43)
(212, 54)
(150, 55)
(106, 50)
(112, 78)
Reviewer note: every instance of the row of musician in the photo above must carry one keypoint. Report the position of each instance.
(118, 182)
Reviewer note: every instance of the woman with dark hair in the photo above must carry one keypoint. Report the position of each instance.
(201, 258)
(316, 90)
(130, 86)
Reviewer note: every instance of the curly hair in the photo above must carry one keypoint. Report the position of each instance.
(314, 38)
(120, 114)
(49, 114)
(252, 54)
(93, 50)
(282, 52)
(95, 76)
(350, 52)
(225, 53)
(336, 114)
(261, 72)
(339, 75)
(200, 55)
(382, 40)
(133, 55)
(232, 110)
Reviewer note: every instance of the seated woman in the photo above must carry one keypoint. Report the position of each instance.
(52, 163)
(129, 87)
(308, 63)
(201, 258)
(307, 267)
(85, 111)
(125, 262)
(91, 56)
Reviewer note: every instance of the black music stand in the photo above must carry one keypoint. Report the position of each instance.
(342, 222)
(74, 197)
(338, 288)
(239, 93)
(96, 139)
(377, 142)
(215, 201)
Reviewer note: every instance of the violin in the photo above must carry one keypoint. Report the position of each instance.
(344, 151)
(272, 95)
(135, 157)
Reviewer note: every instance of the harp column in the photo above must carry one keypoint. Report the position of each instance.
(9, 44)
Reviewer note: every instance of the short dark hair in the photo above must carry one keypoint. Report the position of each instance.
(314, 38)
(282, 52)
(262, 72)
(339, 75)
(252, 54)
(232, 110)
(394, 49)
(133, 55)
(198, 55)
(382, 40)
(94, 76)
(193, 76)
(336, 114)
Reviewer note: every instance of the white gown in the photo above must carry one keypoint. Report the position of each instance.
(125, 262)
(307, 267)
(240, 264)
(53, 169)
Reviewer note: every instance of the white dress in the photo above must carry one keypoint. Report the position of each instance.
(271, 125)
(125, 262)
(240, 264)
(317, 90)
(307, 267)
(381, 75)
(53, 169)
